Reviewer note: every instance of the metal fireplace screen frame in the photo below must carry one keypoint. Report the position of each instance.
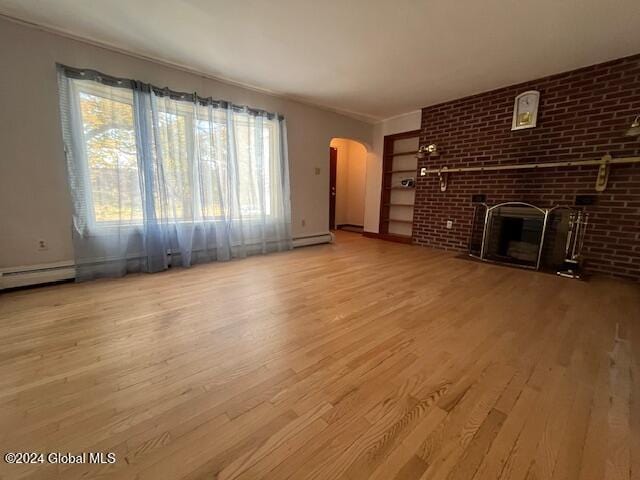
(487, 230)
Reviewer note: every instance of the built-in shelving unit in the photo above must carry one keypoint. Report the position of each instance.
(397, 154)
(396, 206)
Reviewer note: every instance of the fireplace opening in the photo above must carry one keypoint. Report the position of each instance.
(514, 235)
(521, 234)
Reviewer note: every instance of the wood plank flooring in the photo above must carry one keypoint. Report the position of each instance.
(362, 359)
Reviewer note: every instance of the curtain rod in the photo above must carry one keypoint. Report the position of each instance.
(601, 180)
(128, 83)
(523, 166)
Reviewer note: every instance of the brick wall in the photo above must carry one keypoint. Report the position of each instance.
(583, 114)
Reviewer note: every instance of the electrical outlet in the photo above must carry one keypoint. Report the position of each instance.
(43, 245)
(317, 171)
(449, 224)
(304, 222)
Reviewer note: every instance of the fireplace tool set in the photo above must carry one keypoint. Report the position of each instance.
(572, 266)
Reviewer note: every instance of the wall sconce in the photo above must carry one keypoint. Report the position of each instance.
(430, 150)
(634, 130)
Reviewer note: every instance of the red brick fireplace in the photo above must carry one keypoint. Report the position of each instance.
(583, 115)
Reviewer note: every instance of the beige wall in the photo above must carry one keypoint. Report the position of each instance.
(350, 181)
(342, 178)
(357, 183)
(34, 197)
(402, 123)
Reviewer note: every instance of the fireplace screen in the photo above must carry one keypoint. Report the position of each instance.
(512, 232)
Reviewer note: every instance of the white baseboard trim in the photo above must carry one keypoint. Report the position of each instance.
(315, 239)
(23, 276)
(35, 274)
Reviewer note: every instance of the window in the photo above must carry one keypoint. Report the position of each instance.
(160, 178)
(111, 155)
(197, 174)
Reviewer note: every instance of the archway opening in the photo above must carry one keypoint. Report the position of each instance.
(348, 163)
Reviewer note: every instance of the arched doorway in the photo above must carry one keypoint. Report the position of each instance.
(347, 177)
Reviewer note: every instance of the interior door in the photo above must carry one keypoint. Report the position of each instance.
(333, 166)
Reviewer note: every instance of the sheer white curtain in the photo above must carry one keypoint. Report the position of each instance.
(160, 178)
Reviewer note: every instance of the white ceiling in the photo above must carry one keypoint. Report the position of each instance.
(375, 58)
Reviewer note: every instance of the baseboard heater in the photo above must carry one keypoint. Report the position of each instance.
(316, 239)
(36, 274)
(14, 277)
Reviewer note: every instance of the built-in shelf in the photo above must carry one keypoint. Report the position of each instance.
(410, 152)
(399, 158)
(399, 237)
(395, 220)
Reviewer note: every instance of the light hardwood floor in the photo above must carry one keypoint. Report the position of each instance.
(362, 359)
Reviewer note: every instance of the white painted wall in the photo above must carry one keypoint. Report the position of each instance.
(399, 124)
(34, 196)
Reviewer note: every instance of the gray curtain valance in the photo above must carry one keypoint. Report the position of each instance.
(94, 75)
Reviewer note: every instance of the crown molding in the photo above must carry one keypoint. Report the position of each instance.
(388, 119)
